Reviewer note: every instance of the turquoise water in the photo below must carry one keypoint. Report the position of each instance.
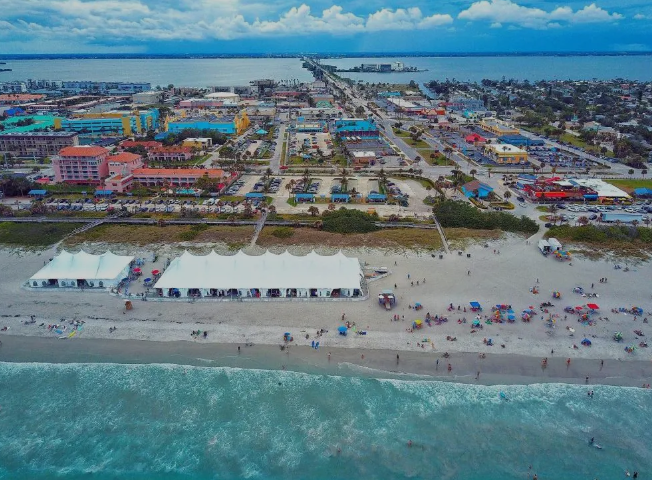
(108, 421)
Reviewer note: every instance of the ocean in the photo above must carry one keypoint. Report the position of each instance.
(156, 421)
(203, 72)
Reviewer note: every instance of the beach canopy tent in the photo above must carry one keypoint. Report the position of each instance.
(643, 192)
(376, 197)
(37, 193)
(83, 270)
(103, 193)
(474, 304)
(267, 275)
(254, 195)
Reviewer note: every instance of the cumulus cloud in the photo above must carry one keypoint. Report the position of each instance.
(196, 20)
(506, 11)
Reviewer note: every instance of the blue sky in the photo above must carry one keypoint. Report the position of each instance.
(259, 26)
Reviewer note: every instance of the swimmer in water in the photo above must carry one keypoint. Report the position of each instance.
(592, 441)
(409, 443)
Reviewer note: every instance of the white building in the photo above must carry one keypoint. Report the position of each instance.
(226, 97)
(146, 98)
(263, 276)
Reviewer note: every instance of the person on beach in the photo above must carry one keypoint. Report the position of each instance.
(568, 362)
(449, 367)
(397, 359)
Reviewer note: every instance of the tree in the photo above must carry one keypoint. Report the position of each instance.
(644, 172)
(473, 172)
(313, 211)
(507, 195)
(290, 186)
(417, 159)
(583, 220)
(630, 171)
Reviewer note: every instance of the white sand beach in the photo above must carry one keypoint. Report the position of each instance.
(495, 278)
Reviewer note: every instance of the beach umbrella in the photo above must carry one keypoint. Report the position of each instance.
(593, 306)
(578, 308)
(155, 272)
(341, 329)
(418, 322)
(417, 304)
(137, 270)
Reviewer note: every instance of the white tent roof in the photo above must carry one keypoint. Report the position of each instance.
(264, 271)
(83, 265)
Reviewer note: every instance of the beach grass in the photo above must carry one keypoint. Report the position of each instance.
(150, 234)
(463, 237)
(386, 238)
(34, 234)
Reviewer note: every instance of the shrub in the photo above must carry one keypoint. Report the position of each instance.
(283, 232)
(349, 221)
(461, 215)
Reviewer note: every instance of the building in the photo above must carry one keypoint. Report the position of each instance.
(460, 104)
(316, 113)
(207, 103)
(505, 154)
(114, 122)
(363, 158)
(356, 127)
(124, 163)
(19, 98)
(498, 128)
(476, 189)
(170, 154)
(81, 165)
(146, 98)
(225, 97)
(521, 141)
(199, 143)
(306, 127)
(229, 126)
(28, 123)
(148, 145)
(119, 88)
(13, 87)
(175, 177)
(475, 138)
(36, 144)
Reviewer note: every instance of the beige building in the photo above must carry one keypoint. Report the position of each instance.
(36, 144)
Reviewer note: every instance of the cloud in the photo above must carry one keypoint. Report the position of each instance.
(640, 16)
(506, 11)
(166, 20)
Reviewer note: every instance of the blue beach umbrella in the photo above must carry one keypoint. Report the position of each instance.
(342, 329)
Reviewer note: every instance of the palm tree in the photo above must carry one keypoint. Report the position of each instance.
(345, 180)
(473, 172)
(290, 186)
(313, 211)
(507, 195)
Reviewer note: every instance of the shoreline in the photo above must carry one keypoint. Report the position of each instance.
(495, 369)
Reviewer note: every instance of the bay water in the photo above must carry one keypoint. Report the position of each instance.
(160, 421)
(204, 72)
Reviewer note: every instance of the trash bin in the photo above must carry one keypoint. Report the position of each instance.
(441, 257)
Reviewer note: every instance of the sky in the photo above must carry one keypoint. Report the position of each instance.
(323, 26)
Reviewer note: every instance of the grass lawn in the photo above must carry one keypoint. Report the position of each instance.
(440, 159)
(150, 234)
(630, 184)
(34, 234)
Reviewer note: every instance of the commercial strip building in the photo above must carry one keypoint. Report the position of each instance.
(81, 165)
(199, 143)
(115, 122)
(498, 128)
(363, 157)
(571, 189)
(476, 189)
(521, 141)
(36, 144)
(19, 98)
(316, 113)
(262, 276)
(82, 270)
(356, 127)
(146, 98)
(158, 177)
(505, 154)
(36, 122)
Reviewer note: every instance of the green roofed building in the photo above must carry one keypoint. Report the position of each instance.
(40, 122)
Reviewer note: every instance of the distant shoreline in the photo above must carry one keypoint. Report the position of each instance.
(128, 56)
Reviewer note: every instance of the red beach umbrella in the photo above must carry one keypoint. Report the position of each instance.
(155, 272)
(593, 306)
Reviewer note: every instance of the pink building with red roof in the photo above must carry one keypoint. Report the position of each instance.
(84, 165)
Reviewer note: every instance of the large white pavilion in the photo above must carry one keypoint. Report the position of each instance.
(262, 276)
(82, 270)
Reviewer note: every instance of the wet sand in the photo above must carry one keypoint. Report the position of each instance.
(495, 369)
